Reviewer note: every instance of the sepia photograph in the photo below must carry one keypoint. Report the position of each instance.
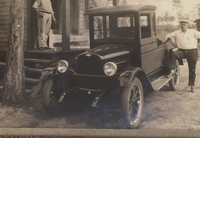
(85, 84)
(106, 68)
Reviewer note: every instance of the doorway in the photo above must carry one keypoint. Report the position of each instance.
(32, 29)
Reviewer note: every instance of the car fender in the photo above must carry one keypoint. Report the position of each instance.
(45, 74)
(127, 77)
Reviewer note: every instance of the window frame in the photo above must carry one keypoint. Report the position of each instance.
(148, 27)
(106, 30)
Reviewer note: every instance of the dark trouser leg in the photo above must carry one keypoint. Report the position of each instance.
(192, 57)
(174, 55)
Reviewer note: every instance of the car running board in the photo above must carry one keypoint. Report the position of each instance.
(160, 82)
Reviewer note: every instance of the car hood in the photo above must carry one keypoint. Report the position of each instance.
(108, 51)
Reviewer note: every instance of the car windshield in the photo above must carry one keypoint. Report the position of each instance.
(114, 27)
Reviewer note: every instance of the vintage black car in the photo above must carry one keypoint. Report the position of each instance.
(124, 49)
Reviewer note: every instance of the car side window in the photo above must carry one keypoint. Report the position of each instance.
(114, 27)
(123, 22)
(145, 26)
(125, 26)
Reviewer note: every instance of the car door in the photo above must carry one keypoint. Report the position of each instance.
(147, 45)
(152, 54)
(159, 49)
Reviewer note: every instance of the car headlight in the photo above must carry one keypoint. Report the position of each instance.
(110, 68)
(62, 66)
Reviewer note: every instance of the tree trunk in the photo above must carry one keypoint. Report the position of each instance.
(14, 89)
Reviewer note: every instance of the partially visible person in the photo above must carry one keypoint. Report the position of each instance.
(45, 15)
(186, 42)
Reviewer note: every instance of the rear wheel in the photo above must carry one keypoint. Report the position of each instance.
(51, 96)
(173, 83)
(132, 104)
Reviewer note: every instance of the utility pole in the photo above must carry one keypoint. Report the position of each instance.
(177, 8)
(66, 25)
(114, 2)
(198, 7)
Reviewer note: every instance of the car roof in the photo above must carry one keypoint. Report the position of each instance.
(119, 9)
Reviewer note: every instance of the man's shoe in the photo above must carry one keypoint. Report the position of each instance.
(171, 73)
(41, 48)
(192, 89)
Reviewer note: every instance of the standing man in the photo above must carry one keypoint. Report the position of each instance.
(186, 41)
(44, 18)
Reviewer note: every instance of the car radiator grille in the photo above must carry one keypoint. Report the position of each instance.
(90, 75)
(91, 65)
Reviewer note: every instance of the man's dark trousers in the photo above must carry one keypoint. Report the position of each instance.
(192, 56)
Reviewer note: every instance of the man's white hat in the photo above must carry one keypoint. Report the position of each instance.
(184, 21)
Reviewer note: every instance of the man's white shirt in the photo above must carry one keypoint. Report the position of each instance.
(187, 40)
(43, 6)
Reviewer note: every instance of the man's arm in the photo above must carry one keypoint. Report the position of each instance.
(166, 40)
(53, 17)
(35, 7)
(52, 14)
(197, 34)
(170, 37)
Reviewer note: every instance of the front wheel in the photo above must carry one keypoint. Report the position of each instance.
(173, 83)
(51, 96)
(132, 103)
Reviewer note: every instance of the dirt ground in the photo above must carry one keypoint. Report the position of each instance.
(163, 109)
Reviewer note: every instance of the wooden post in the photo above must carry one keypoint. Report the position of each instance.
(65, 25)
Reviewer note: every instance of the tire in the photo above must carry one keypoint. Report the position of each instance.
(51, 92)
(173, 83)
(131, 106)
